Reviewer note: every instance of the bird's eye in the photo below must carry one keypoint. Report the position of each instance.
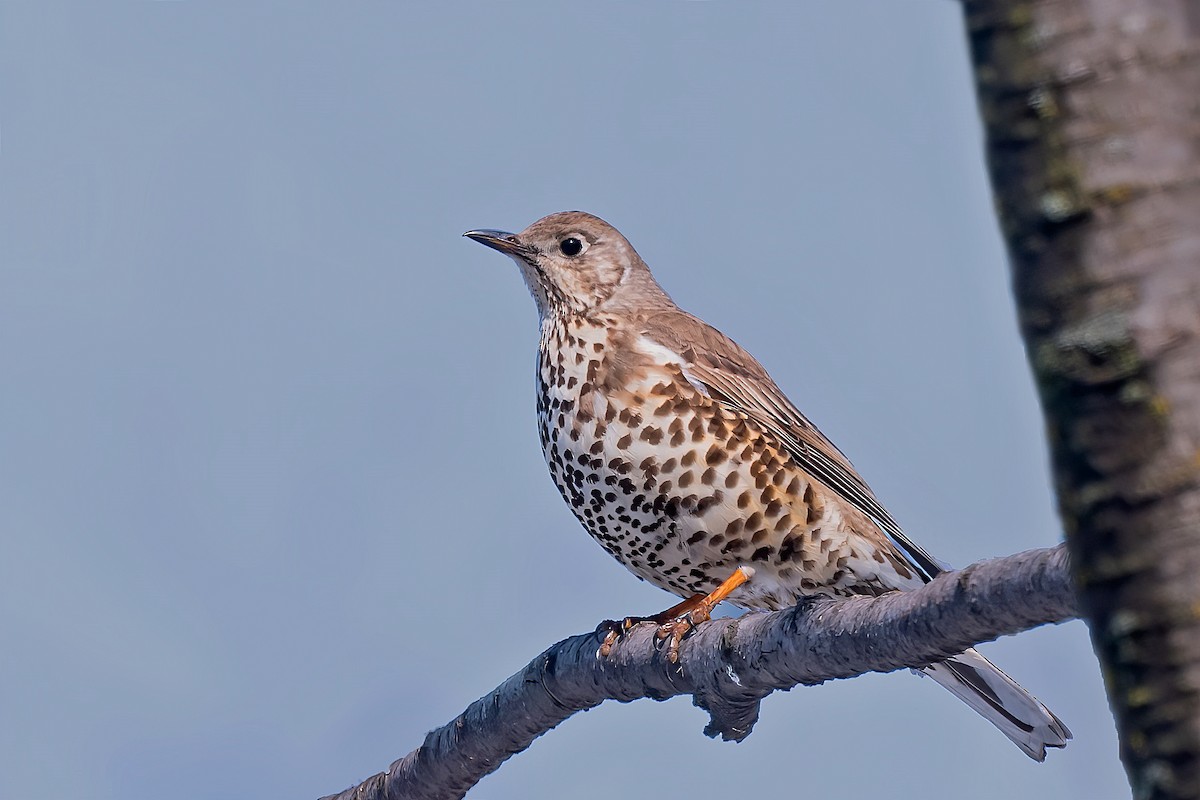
(571, 246)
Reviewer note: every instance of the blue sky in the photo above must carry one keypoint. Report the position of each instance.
(271, 499)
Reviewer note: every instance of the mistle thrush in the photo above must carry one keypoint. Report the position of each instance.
(686, 462)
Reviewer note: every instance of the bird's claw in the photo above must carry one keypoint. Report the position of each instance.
(613, 631)
(673, 631)
(674, 623)
(670, 630)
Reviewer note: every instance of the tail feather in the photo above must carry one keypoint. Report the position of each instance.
(1001, 701)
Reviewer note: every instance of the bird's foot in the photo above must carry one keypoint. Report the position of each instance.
(615, 630)
(674, 623)
(674, 630)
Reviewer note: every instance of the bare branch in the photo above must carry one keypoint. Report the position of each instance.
(729, 665)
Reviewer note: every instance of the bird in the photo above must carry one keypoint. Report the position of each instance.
(687, 463)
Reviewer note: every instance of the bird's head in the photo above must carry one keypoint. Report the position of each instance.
(574, 262)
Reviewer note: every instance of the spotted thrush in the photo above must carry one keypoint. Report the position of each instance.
(689, 465)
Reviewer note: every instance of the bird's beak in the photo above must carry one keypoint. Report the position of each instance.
(503, 241)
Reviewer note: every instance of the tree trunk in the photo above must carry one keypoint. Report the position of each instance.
(1092, 112)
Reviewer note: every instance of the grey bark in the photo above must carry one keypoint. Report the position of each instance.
(1092, 113)
(729, 665)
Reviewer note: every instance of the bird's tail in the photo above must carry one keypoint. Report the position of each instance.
(1001, 701)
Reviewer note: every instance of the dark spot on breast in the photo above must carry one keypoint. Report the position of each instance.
(790, 545)
(814, 505)
(651, 434)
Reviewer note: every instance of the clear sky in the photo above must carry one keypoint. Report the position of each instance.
(271, 499)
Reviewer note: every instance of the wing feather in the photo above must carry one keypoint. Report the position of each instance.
(733, 377)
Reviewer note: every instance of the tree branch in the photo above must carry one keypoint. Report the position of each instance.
(730, 665)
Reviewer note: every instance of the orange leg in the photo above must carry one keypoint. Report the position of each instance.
(676, 621)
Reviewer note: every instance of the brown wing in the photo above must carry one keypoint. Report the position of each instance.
(733, 377)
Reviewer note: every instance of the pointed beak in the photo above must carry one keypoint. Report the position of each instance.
(503, 241)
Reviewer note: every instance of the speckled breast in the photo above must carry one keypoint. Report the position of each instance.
(682, 489)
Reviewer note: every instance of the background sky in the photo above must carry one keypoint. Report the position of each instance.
(271, 499)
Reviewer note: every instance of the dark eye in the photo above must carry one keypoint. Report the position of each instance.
(571, 246)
